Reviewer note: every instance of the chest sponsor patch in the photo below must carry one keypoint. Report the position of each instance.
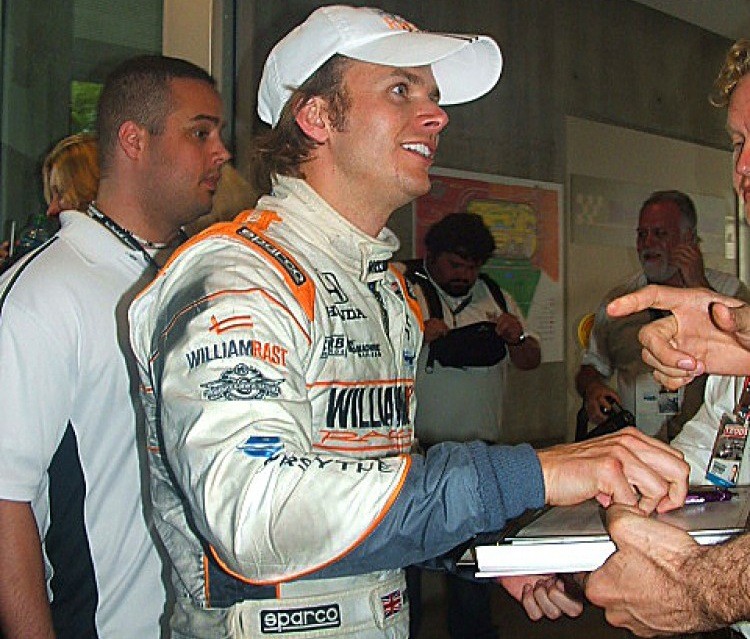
(241, 382)
(346, 314)
(341, 346)
(364, 407)
(291, 620)
(262, 447)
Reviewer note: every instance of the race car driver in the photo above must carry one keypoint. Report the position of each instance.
(278, 354)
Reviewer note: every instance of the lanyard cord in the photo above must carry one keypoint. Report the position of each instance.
(453, 311)
(125, 236)
(743, 405)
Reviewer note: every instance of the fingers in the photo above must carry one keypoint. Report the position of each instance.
(731, 319)
(658, 338)
(514, 584)
(673, 383)
(548, 598)
(619, 520)
(657, 470)
(685, 370)
(508, 327)
(647, 297)
(626, 467)
(435, 328)
(741, 317)
(599, 398)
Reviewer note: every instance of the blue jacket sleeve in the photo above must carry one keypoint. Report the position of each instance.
(454, 493)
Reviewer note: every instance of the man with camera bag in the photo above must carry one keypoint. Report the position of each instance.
(668, 249)
(472, 330)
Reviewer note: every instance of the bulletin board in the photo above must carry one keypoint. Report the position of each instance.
(525, 218)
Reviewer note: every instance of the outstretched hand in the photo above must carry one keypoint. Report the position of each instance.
(706, 332)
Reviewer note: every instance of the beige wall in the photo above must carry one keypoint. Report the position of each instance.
(625, 155)
(192, 30)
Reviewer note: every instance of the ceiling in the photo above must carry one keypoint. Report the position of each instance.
(729, 18)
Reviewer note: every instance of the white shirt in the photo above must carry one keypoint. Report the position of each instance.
(69, 415)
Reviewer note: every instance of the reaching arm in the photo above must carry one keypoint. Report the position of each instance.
(700, 588)
(238, 381)
(706, 332)
(24, 609)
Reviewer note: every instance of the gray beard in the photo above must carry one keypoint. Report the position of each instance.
(661, 273)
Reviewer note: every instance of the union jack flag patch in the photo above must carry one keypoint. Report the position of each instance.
(392, 603)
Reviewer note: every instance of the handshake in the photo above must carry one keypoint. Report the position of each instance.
(699, 588)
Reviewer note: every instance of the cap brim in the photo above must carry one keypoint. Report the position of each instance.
(465, 67)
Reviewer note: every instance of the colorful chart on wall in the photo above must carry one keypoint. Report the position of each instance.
(525, 218)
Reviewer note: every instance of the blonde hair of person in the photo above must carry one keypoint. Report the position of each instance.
(736, 65)
(71, 170)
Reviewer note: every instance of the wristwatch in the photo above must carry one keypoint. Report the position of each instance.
(521, 339)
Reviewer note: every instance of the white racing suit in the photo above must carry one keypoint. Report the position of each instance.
(278, 356)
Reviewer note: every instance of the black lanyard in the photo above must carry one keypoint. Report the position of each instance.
(455, 311)
(742, 408)
(125, 236)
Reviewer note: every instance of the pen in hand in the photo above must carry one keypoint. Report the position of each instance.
(706, 495)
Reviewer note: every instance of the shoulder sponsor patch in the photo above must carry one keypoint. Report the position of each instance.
(228, 349)
(242, 382)
(284, 260)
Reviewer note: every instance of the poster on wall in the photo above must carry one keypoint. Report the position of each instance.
(525, 218)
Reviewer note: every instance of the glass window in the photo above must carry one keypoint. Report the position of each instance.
(55, 56)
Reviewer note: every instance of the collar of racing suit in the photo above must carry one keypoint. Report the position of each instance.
(365, 256)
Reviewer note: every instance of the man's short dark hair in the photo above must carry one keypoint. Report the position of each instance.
(138, 90)
(464, 234)
(683, 202)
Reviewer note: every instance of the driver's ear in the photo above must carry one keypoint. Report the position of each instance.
(311, 119)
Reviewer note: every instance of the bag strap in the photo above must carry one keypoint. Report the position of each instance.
(417, 275)
(495, 291)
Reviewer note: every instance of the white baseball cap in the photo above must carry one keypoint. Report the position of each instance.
(465, 66)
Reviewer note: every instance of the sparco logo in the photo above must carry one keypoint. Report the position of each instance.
(299, 619)
(286, 262)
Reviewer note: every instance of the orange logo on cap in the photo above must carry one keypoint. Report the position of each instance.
(397, 23)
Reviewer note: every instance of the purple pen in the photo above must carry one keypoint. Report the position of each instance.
(706, 495)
